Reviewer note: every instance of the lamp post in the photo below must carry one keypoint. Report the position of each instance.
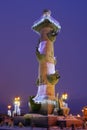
(9, 110)
(17, 110)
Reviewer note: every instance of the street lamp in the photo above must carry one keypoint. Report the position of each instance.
(9, 110)
(17, 106)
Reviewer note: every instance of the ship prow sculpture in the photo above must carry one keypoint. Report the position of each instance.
(47, 28)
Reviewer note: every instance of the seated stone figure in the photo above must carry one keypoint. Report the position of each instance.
(64, 107)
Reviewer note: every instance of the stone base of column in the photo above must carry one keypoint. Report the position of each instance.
(45, 107)
(46, 97)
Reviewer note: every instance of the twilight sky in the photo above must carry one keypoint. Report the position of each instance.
(18, 64)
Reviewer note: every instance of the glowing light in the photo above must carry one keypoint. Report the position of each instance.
(17, 101)
(78, 115)
(64, 96)
(9, 106)
(82, 110)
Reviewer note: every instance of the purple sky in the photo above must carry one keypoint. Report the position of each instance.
(18, 64)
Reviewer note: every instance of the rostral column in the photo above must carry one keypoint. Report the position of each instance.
(47, 27)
